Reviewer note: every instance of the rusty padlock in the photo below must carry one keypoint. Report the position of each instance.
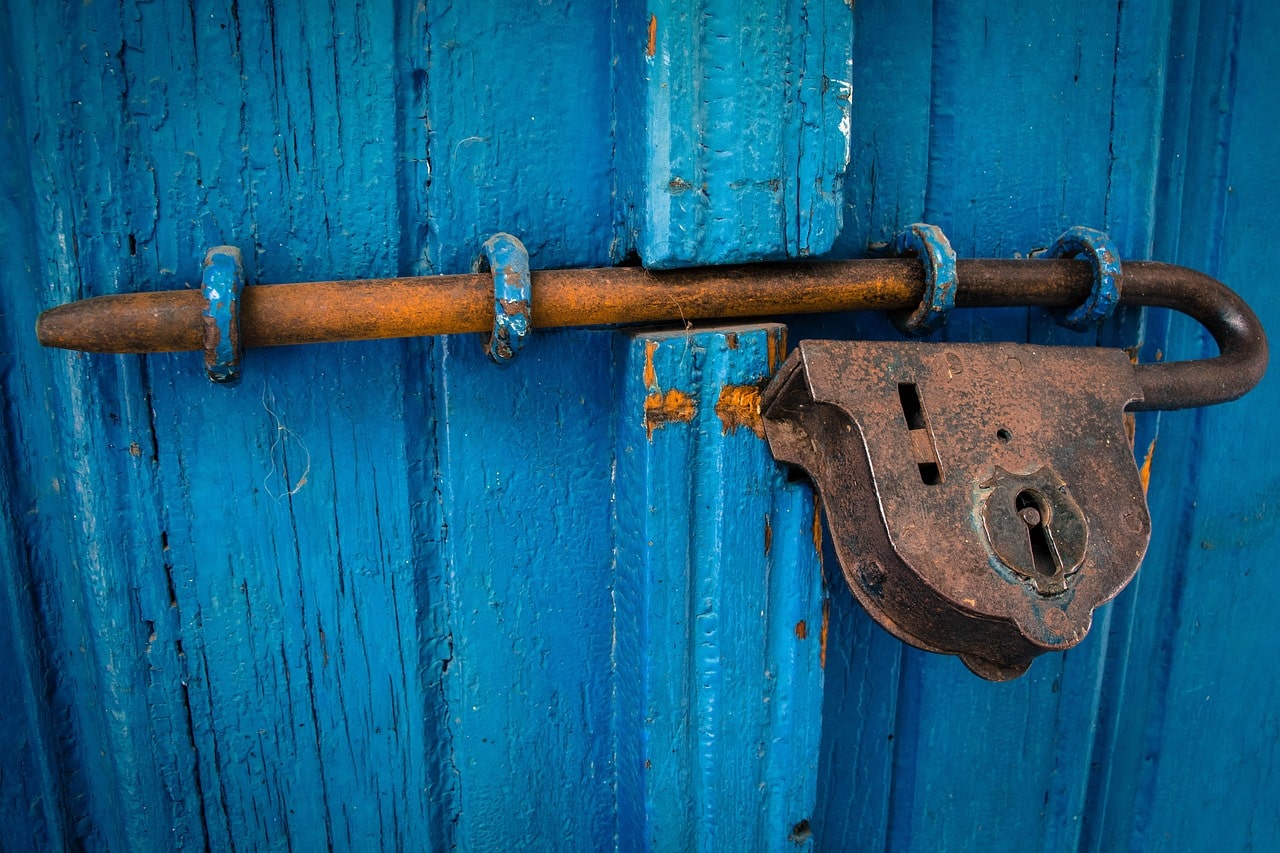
(983, 499)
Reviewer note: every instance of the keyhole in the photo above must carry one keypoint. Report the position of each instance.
(1044, 557)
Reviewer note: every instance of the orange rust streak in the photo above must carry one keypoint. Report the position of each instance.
(650, 375)
(822, 635)
(1144, 473)
(802, 630)
(739, 406)
(768, 535)
(776, 345)
(652, 47)
(817, 524)
(660, 409)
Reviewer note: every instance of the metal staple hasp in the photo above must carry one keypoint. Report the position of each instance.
(508, 259)
(928, 243)
(222, 283)
(1105, 295)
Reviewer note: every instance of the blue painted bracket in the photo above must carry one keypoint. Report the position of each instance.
(222, 284)
(928, 243)
(507, 257)
(1105, 295)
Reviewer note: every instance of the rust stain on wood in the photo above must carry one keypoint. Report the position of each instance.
(652, 47)
(675, 406)
(650, 375)
(817, 524)
(768, 536)
(776, 348)
(802, 630)
(822, 635)
(1144, 473)
(739, 406)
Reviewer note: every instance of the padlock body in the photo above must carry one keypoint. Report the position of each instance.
(983, 499)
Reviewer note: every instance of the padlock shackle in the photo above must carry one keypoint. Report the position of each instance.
(1242, 343)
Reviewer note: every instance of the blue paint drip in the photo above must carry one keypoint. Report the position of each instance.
(222, 284)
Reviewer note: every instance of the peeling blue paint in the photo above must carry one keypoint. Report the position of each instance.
(222, 282)
(719, 163)
(1105, 294)
(508, 259)
(928, 243)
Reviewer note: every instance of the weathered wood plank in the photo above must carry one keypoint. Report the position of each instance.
(733, 128)
(1195, 719)
(236, 664)
(518, 118)
(363, 601)
(719, 603)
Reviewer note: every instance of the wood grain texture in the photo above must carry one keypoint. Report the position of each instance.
(719, 605)
(34, 811)
(1036, 121)
(518, 113)
(234, 648)
(733, 128)
(1194, 715)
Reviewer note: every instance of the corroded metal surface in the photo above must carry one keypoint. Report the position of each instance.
(222, 284)
(388, 308)
(1101, 253)
(928, 243)
(1034, 525)
(928, 455)
(506, 258)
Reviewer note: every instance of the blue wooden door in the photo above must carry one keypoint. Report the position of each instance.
(388, 595)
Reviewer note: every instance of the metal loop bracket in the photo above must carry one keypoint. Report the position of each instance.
(1105, 295)
(222, 283)
(928, 243)
(508, 259)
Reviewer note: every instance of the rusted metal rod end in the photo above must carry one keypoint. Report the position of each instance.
(168, 321)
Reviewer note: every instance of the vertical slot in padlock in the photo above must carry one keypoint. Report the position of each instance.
(922, 446)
